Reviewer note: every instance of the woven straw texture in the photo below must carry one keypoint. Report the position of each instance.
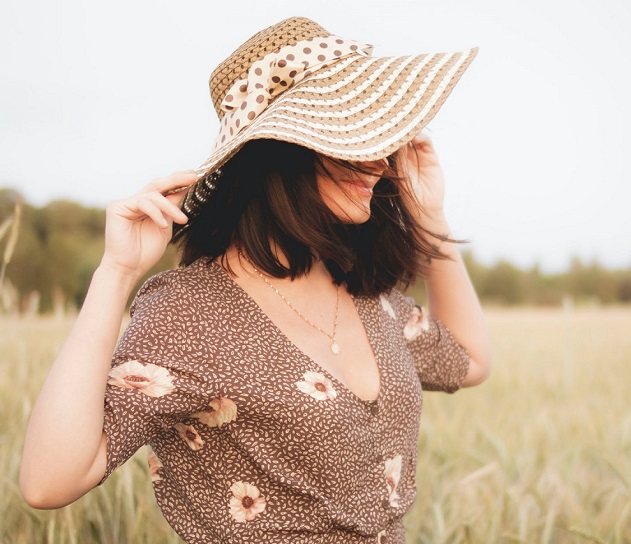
(266, 41)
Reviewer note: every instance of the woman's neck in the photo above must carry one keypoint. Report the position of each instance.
(240, 264)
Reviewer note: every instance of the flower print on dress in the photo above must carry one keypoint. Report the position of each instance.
(317, 385)
(387, 307)
(221, 410)
(190, 436)
(150, 379)
(246, 502)
(154, 464)
(417, 323)
(393, 476)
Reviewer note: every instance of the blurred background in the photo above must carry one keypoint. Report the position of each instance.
(97, 98)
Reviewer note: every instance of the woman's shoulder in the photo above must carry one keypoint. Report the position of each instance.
(201, 282)
(395, 302)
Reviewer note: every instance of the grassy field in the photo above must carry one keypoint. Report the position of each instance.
(541, 453)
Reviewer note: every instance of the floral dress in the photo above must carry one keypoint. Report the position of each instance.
(251, 441)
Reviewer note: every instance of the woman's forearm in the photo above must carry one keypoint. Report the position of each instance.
(64, 449)
(452, 299)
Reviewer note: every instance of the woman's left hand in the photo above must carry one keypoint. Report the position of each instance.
(419, 163)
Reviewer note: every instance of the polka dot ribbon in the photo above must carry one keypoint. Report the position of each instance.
(274, 74)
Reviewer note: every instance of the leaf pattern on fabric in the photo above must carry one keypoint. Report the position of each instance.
(150, 379)
(246, 502)
(317, 385)
(302, 454)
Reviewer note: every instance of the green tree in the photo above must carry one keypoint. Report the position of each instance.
(504, 283)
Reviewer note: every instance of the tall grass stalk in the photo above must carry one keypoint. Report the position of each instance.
(13, 222)
(4, 226)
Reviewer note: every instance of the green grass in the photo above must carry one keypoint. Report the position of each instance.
(541, 453)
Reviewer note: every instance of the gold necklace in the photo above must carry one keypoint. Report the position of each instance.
(335, 347)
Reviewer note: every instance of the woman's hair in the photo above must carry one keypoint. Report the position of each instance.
(267, 197)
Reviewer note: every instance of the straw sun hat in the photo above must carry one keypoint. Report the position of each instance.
(296, 82)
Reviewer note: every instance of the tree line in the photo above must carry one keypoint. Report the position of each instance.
(56, 248)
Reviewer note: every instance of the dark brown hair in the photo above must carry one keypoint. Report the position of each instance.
(267, 195)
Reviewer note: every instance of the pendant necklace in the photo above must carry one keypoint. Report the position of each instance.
(335, 347)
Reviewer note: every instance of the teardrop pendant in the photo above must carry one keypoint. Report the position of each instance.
(335, 348)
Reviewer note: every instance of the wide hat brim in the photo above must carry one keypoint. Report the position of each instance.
(358, 109)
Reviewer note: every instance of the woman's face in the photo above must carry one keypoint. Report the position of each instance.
(347, 193)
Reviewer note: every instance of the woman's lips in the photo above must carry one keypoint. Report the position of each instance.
(364, 188)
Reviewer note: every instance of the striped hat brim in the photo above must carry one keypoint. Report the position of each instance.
(359, 108)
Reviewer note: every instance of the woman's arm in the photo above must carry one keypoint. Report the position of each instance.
(452, 299)
(451, 296)
(65, 450)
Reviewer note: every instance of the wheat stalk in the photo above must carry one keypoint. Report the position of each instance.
(4, 228)
(14, 222)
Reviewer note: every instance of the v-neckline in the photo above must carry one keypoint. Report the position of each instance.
(357, 303)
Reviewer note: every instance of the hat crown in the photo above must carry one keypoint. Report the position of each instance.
(269, 40)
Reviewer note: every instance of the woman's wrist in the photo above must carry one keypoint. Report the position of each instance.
(434, 220)
(120, 278)
(436, 223)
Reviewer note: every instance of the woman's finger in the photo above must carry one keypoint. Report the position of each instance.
(153, 212)
(420, 152)
(167, 207)
(421, 139)
(181, 179)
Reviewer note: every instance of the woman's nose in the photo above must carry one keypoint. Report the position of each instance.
(378, 166)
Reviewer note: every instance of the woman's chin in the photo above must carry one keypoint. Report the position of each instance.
(356, 217)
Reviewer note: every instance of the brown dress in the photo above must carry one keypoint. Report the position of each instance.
(251, 441)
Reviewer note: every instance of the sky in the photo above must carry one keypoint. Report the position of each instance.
(98, 98)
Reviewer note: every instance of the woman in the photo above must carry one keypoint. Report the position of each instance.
(277, 376)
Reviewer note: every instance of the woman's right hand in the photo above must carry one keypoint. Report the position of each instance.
(138, 228)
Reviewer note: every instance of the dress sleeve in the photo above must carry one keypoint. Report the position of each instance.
(442, 363)
(154, 382)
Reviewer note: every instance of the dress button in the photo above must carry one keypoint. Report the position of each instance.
(374, 409)
(385, 503)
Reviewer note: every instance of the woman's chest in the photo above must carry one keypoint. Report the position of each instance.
(280, 394)
(344, 354)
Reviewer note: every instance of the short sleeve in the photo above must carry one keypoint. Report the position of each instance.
(154, 381)
(442, 363)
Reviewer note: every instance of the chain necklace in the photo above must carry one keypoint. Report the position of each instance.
(335, 347)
